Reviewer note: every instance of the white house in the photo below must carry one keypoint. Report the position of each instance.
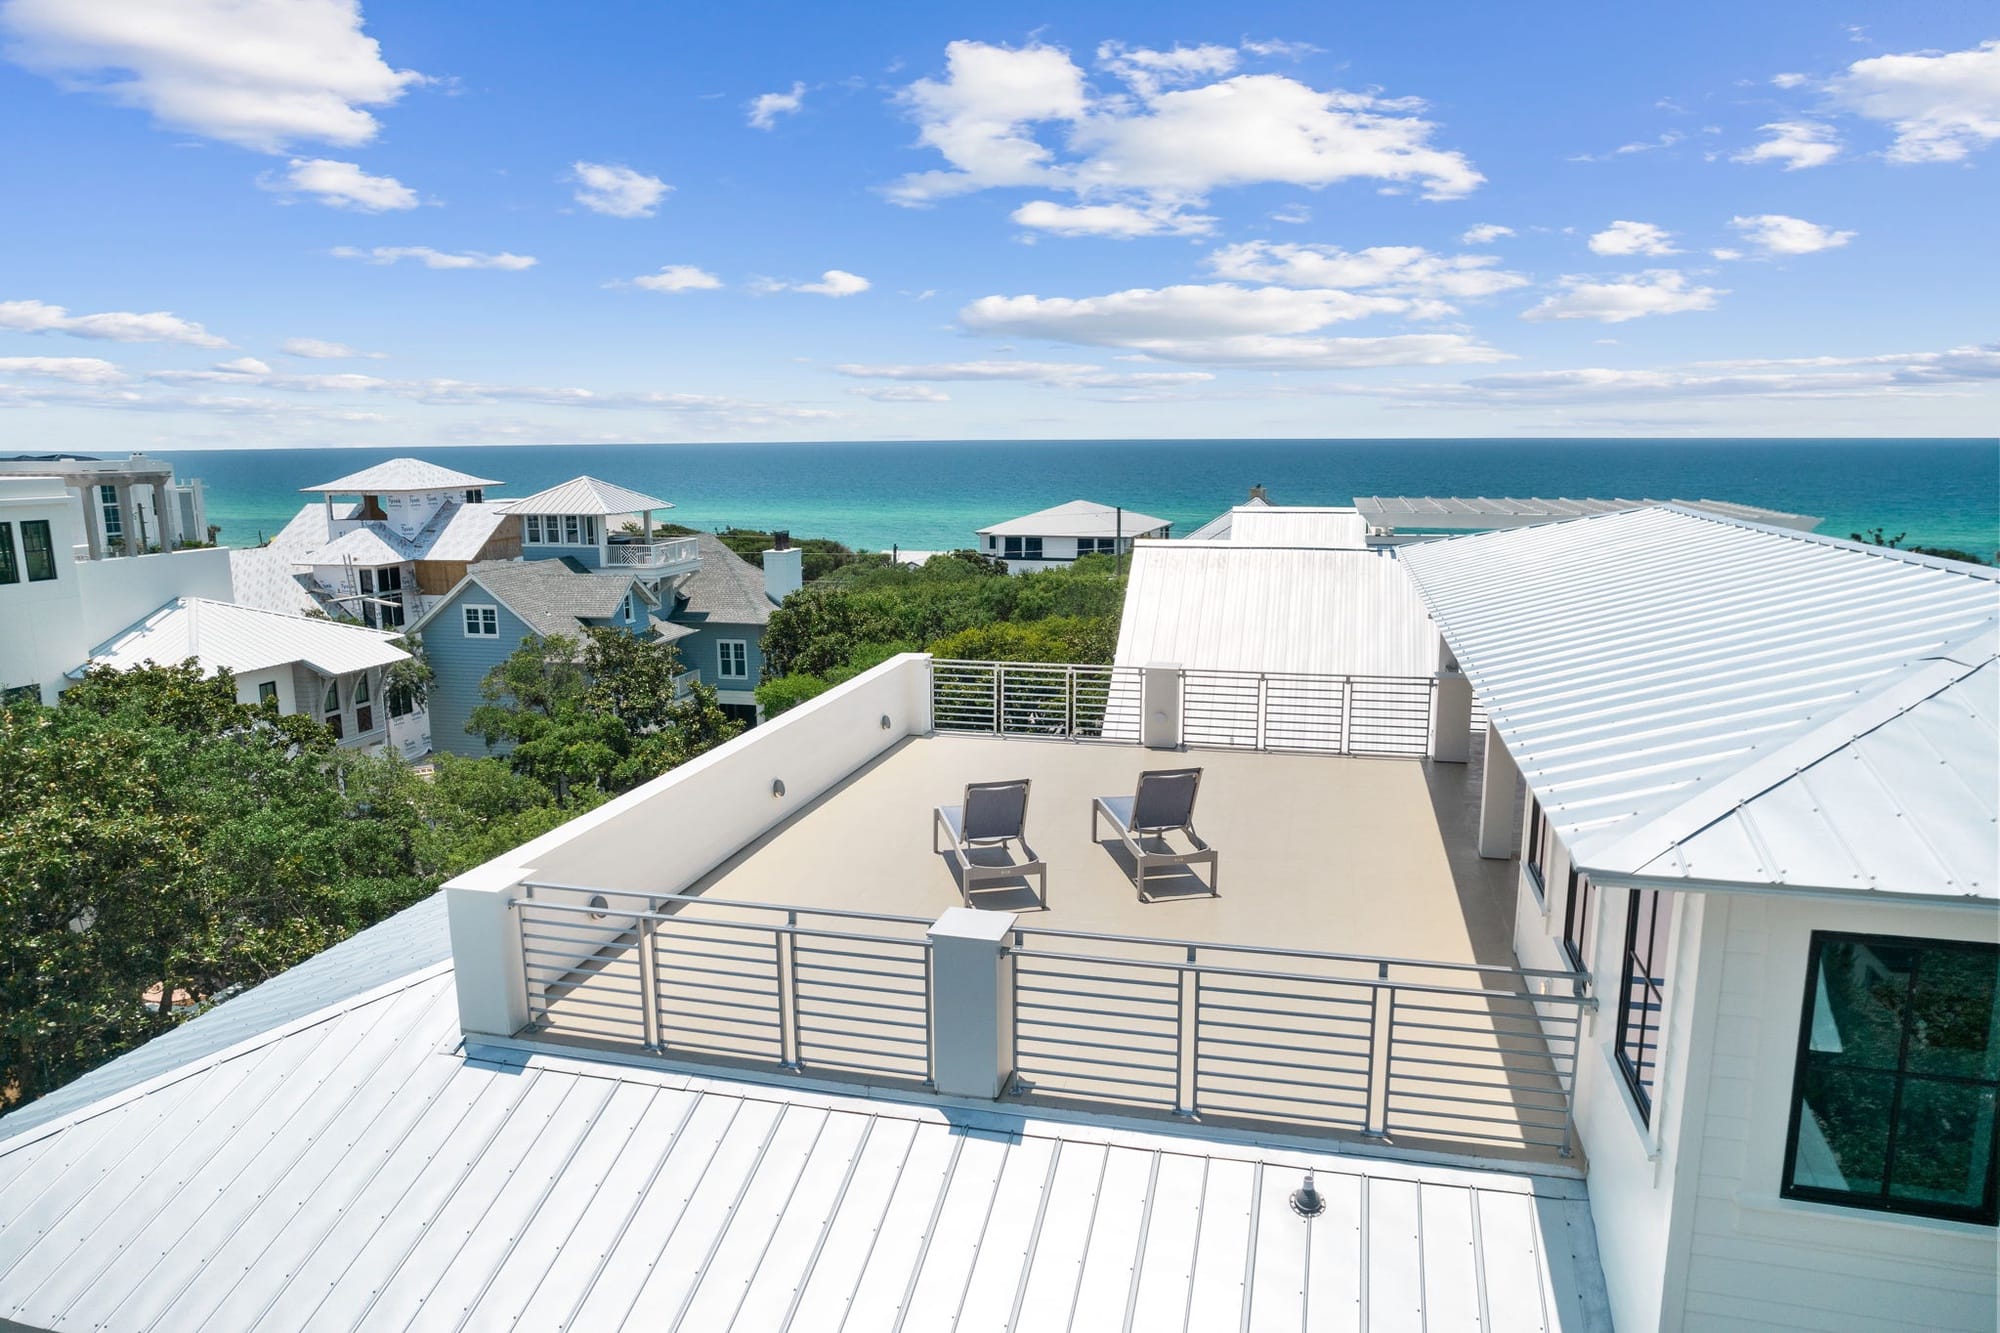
(58, 601)
(1052, 538)
(128, 506)
(774, 1072)
(329, 671)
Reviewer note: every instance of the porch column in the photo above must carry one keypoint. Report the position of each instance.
(972, 989)
(1451, 713)
(1499, 831)
(165, 537)
(93, 520)
(604, 541)
(128, 520)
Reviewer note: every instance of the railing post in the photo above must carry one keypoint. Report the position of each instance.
(489, 965)
(1160, 706)
(649, 983)
(1346, 715)
(1263, 711)
(1451, 712)
(1381, 1038)
(1187, 1047)
(972, 999)
(1069, 701)
(788, 994)
(999, 700)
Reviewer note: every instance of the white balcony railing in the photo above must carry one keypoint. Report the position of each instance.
(653, 555)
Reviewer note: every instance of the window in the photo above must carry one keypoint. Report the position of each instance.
(533, 529)
(627, 609)
(1579, 917)
(389, 588)
(482, 622)
(364, 708)
(400, 703)
(10, 566)
(114, 519)
(474, 497)
(1642, 997)
(1539, 848)
(330, 708)
(1097, 546)
(572, 531)
(733, 659)
(992, 543)
(11, 695)
(1024, 548)
(40, 550)
(1893, 1101)
(267, 691)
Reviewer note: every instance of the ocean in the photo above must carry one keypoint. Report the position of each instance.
(933, 495)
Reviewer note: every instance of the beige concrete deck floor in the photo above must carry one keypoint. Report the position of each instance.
(1339, 855)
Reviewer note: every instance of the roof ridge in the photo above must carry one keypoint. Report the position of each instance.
(1870, 711)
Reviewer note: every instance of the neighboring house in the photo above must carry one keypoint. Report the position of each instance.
(1217, 529)
(1393, 520)
(128, 506)
(384, 557)
(1053, 538)
(58, 601)
(719, 617)
(601, 526)
(480, 622)
(329, 671)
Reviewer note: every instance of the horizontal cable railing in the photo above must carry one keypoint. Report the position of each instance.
(1378, 1046)
(1452, 1052)
(759, 982)
(1244, 710)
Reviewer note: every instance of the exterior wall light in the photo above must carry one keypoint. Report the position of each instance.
(777, 786)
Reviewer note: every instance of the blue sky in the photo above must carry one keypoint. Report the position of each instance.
(303, 222)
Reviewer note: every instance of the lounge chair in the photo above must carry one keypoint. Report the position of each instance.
(994, 814)
(1163, 804)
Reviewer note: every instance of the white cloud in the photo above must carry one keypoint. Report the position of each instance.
(1147, 71)
(1484, 233)
(1279, 49)
(260, 73)
(1788, 80)
(1942, 106)
(678, 278)
(343, 185)
(833, 282)
(1795, 143)
(1160, 142)
(119, 326)
(615, 191)
(1724, 253)
(1292, 214)
(319, 349)
(765, 108)
(1666, 140)
(902, 393)
(429, 258)
(1056, 374)
(69, 369)
(1633, 238)
(1777, 234)
(1654, 292)
(1403, 271)
(1222, 324)
(1117, 221)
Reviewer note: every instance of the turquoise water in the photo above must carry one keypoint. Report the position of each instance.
(933, 495)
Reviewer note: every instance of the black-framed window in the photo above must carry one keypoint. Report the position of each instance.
(1023, 548)
(1642, 995)
(1579, 918)
(1893, 1098)
(1538, 848)
(39, 548)
(10, 565)
(267, 690)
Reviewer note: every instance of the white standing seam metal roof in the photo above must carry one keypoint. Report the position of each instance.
(1078, 518)
(1460, 511)
(1695, 698)
(1231, 606)
(586, 495)
(224, 636)
(355, 1167)
(1299, 525)
(1218, 528)
(400, 474)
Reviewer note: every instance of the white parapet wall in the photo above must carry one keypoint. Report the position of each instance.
(662, 837)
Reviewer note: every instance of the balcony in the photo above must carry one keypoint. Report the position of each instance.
(1355, 976)
(675, 555)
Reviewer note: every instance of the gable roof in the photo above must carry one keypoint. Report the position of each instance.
(223, 635)
(1300, 525)
(457, 531)
(322, 1149)
(726, 590)
(1220, 527)
(1078, 518)
(548, 596)
(401, 474)
(1687, 694)
(586, 495)
(1441, 512)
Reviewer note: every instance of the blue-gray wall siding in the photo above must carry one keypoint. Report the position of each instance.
(459, 663)
(698, 653)
(585, 555)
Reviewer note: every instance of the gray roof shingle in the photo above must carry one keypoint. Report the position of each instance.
(551, 597)
(727, 589)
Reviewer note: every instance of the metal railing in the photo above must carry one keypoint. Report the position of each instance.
(1377, 1046)
(652, 555)
(1076, 701)
(1243, 710)
(757, 982)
